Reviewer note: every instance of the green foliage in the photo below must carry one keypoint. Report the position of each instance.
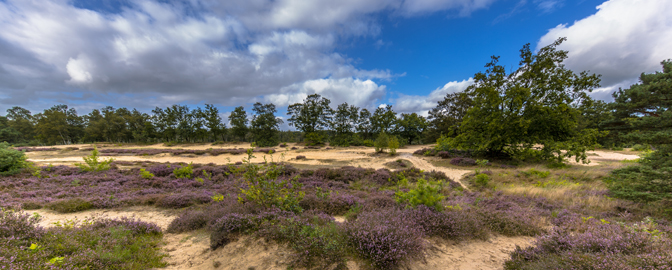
(426, 193)
(344, 122)
(265, 125)
(11, 161)
(184, 171)
(535, 172)
(383, 120)
(393, 144)
(314, 138)
(238, 120)
(145, 174)
(265, 189)
(481, 180)
(643, 116)
(535, 104)
(312, 115)
(93, 163)
(70, 206)
(446, 117)
(411, 126)
(217, 198)
(382, 142)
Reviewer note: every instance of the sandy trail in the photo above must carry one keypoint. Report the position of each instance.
(422, 164)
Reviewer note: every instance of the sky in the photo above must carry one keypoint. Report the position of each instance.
(141, 54)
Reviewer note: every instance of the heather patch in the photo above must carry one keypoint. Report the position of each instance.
(88, 244)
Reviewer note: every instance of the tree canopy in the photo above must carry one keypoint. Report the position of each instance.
(312, 115)
(643, 114)
(534, 105)
(265, 125)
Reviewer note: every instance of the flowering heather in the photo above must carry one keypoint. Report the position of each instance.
(36, 149)
(599, 244)
(176, 152)
(90, 244)
(385, 237)
(460, 161)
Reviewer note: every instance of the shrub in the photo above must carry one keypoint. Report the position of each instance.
(19, 226)
(454, 224)
(428, 194)
(382, 142)
(599, 245)
(314, 138)
(265, 187)
(145, 174)
(70, 205)
(368, 143)
(461, 161)
(481, 180)
(443, 154)
(11, 161)
(393, 144)
(385, 237)
(184, 171)
(300, 157)
(189, 221)
(224, 228)
(93, 164)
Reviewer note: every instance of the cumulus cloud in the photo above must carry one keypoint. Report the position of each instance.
(361, 93)
(155, 53)
(620, 41)
(422, 104)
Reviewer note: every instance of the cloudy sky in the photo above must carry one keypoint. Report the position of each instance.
(409, 53)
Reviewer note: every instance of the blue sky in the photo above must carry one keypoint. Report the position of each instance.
(408, 53)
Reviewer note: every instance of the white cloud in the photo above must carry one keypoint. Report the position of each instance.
(620, 41)
(422, 104)
(361, 93)
(155, 53)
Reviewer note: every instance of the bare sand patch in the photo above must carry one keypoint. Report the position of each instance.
(160, 217)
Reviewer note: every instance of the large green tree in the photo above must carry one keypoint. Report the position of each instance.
(310, 116)
(384, 120)
(446, 117)
(214, 121)
(265, 125)
(238, 120)
(7, 133)
(21, 120)
(344, 122)
(534, 105)
(411, 127)
(643, 114)
(59, 125)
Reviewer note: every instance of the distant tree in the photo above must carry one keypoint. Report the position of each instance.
(534, 105)
(238, 120)
(643, 114)
(310, 116)
(384, 120)
(411, 126)
(265, 125)
(59, 125)
(95, 127)
(364, 127)
(21, 120)
(7, 133)
(344, 122)
(214, 121)
(446, 117)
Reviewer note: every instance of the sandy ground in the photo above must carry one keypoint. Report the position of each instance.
(191, 250)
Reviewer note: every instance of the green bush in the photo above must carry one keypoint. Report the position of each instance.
(93, 164)
(70, 206)
(265, 189)
(11, 161)
(426, 193)
(481, 180)
(145, 174)
(314, 138)
(393, 144)
(640, 147)
(382, 142)
(184, 171)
